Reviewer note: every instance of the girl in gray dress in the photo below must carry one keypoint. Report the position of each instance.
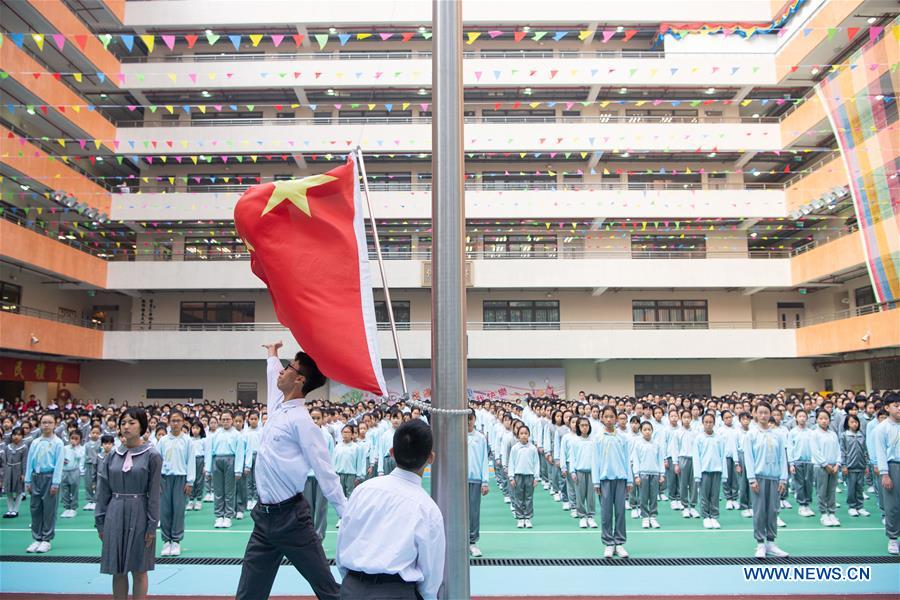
(127, 512)
(15, 455)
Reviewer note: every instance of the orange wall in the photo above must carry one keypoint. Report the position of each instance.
(53, 173)
(54, 338)
(809, 115)
(846, 335)
(832, 14)
(116, 7)
(808, 188)
(52, 92)
(64, 21)
(843, 253)
(45, 253)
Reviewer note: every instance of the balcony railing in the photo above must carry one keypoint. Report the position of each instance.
(51, 316)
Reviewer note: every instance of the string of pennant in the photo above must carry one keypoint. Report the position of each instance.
(417, 74)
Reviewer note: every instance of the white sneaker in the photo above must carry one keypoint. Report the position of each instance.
(654, 523)
(592, 523)
(33, 547)
(219, 523)
(226, 523)
(773, 550)
(694, 513)
(863, 512)
(834, 521)
(673, 504)
(88, 506)
(893, 547)
(43, 547)
(338, 524)
(621, 552)
(837, 490)
(706, 524)
(786, 504)
(520, 523)
(686, 513)
(728, 505)
(506, 499)
(747, 513)
(760, 551)
(853, 512)
(208, 498)
(664, 498)
(251, 505)
(635, 513)
(573, 513)
(870, 489)
(825, 520)
(166, 549)
(175, 549)
(565, 506)
(780, 522)
(239, 515)
(716, 524)
(865, 496)
(645, 523)
(582, 523)
(474, 551)
(609, 551)
(557, 497)
(546, 486)
(528, 524)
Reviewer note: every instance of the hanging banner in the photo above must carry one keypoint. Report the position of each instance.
(15, 369)
(869, 146)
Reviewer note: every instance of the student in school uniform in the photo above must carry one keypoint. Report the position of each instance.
(525, 473)
(499, 444)
(633, 435)
(127, 513)
(682, 447)
(673, 481)
(408, 560)
(477, 451)
(581, 454)
(887, 456)
(708, 459)
(826, 456)
(252, 433)
(15, 457)
(728, 430)
(765, 459)
(740, 469)
(647, 456)
(349, 461)
(43, 475)
(612, 478)
(566, 470)
(225, 457)
(854, 465)
(73, 470)
(241, 491)
(179, 471)
(800, 461)
(313, 491)
(880, 416)
(198, 442)
(386, 463)
(91, 452)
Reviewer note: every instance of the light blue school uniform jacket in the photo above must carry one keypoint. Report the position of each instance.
(825, 448)
(224, 442)
(476, 445)
(73, 458)
(647, 457)
(251, 437)
(45, 455)
(349, 458)
(765, 455)
(708, 455)
(178, 454)
(799, 445)
(581, 453)
(523, 460)
(887, 444)
(870, 440)
(610, 457)
(681, 443)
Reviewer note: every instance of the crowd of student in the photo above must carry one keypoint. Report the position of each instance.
(630, 453)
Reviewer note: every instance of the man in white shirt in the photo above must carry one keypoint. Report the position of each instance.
(290, 445)
(408, 560)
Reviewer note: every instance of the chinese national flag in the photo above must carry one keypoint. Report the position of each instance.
(307, 242)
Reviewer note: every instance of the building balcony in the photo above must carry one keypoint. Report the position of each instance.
(29, 330)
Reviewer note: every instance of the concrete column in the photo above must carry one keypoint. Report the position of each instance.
(867, 374)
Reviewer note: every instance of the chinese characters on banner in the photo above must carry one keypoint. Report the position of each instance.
(14, 369)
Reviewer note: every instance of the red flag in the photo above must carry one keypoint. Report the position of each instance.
(307, 242)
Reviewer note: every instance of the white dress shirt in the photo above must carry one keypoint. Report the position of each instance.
(289, 446)
(392, 526)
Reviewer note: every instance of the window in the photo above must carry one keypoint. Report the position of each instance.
(210, 118)
(666, 246)
(401, 314)
(200, 313)
(10, 296)
(201, 179)
(285, 115)
(521, 314)
(196, 248)
(864, 296)
(519, 116)
(520, 246)
(174, 394)
(672, 384)
(669, 314)
(68, 315)
(397, 247)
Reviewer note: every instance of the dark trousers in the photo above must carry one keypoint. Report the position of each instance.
(355, 588)
(803, 482)
(474, 511)
(43, 507)
(855, 487)
(730, 487)
(765, 510)
(171, 507)
(612, 511)
(286, 531)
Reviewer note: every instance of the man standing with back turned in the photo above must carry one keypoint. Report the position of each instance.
(289, 446)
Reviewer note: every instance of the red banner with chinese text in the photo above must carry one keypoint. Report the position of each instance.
(16, 369)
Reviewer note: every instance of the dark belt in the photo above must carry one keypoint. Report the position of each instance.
(278, 506)
(377, 578)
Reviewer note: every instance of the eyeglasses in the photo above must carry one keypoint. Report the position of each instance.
(291, 367)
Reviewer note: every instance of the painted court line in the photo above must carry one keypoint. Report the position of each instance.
(538, 532)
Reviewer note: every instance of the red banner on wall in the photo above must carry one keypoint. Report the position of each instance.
(15, 369)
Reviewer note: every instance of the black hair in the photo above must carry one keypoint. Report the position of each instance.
(765, 405)
(610, 408)
(648, 424)
(138, 414)
(847, 423)
(744, 414)
(578, 426)
(107, 439)
(176, 412)
(708, 414)
(17, 430)
(310, 371)
(821, 411)
(75, 432)
(200, 425)
(413, 443)
(890, 398)
(634, 419)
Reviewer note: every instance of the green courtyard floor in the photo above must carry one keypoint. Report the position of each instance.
(555, 534)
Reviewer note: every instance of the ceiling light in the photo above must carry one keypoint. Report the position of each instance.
(753, 235)
(814, 70)
(24, 187)
(103, 95)
(330, 92)
(422, 92)
(620, 29)
(209, 32)
(99, 159)
(625, 155)
(528, 91)
(871, 20)
(526, 28)
(711, 155)
(623, 90)
(755, 115)
(205, 94)
(332, 30)
(711, 90)
(422, 29)
(879, 97)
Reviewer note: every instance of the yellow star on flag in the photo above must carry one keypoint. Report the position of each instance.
(295, 190)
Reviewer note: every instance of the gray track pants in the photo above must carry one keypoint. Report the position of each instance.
(649, 493)
(765, 510)
(612, 511)
(171, 507)
(826, 484)
(318, 506)
(803, 482)
(43, 507)
(223, 485)
(584, 492)
(710, 484)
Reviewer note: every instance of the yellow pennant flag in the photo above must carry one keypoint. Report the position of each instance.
(61, 142)
(253, 157)
(202, 108)
(39, 40)
(534, 104)
(148, 40)
(363, 36)
(583, 34)
(371, 106)
(77, 77)
(163, 159)
(405, 105)
(76, 108)
(473, 35)
(97, 144)
(194, 159)
(171, 181)
(170, 108)
(172, 76)
(255, 39)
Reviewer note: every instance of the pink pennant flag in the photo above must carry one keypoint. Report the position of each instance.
(608, 34)
(494, 33)
(874, 32)
(385, 36)
(193, 77)
(169, 41)
(424, 106)
(277, 38)
(478, 75)
(59, 39)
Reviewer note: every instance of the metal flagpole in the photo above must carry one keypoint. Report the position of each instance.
(384, 283)
(448, 296)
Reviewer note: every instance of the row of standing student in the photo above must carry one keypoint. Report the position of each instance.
(694, 464)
